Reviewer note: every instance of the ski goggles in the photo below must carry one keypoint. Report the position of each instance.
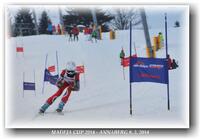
(72, 73)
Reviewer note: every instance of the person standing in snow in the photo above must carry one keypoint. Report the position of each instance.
(94, 35)
(90, 33)
(59, 29)
(122, 55)
(54, 29)
(161, 38)
(169, 62)
(69, 80)
(174, 64)
(75, 32)
(70, 35)
(50, 28)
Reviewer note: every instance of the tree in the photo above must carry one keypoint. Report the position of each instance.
(43, 23)
(83, 16)
(24, 24)
(124, 16)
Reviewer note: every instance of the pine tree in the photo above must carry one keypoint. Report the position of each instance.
(24, 24)
(83, 16)
(43, 23)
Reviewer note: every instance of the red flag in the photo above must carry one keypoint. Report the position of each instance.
(80, 69)
(19, 49)
(125, 61)
(51, 69)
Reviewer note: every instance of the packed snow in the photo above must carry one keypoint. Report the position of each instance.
(103, 99)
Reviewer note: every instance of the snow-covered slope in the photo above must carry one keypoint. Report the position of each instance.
(103, 100)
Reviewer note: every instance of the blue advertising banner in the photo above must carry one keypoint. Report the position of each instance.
(28, 86)
(50, 78)
(149, 70)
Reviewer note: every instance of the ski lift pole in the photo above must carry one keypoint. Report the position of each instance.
(95, 22)
(146, 31)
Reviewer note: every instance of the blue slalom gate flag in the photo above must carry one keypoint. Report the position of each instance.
(28, 86)
(50, 78)
(149, 70)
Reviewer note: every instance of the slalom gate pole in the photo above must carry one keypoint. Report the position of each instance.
(16, 48)
(23, 84)
(122, 59)
(34, 81)
(135, 49)
(166, 43)
(84, 78)
(22, 45)
(84, 75)
(44, 73)
(57, 62)
(130, 68)
(123, 72)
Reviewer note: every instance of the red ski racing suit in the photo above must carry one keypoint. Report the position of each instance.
(67, 81)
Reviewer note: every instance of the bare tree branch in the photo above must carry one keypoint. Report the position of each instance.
(124, 16)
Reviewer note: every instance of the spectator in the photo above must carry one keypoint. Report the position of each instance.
(75, 32)
(54, 29)
(174, 64)
(50, 28)
(59, 29)
(169, 62)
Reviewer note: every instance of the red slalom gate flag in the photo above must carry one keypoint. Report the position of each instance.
(19, 49)
(51, 69)
(125, 61)
(80, 69)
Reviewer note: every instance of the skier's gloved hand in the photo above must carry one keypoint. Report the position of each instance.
(60, 82)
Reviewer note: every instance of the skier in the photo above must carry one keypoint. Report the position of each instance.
(122, 55)
(59, 29)
(86, 32)
(94, 35)
(169, 62)
(70, 35)
(174, 64)
(161, 38)
(75, 31)
(90, 33)
(54, 29)
(50, 27)
(69, 80)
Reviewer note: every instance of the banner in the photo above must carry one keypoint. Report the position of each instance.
(28, 86)
(19, 49)
(51, 69)
(50, 78)
(80, 69)
(149, 70)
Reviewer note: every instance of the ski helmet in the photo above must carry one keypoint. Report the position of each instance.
(71, 66)
(71, 69)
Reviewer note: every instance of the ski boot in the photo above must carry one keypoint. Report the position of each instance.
(60, 107)
(43, 108)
